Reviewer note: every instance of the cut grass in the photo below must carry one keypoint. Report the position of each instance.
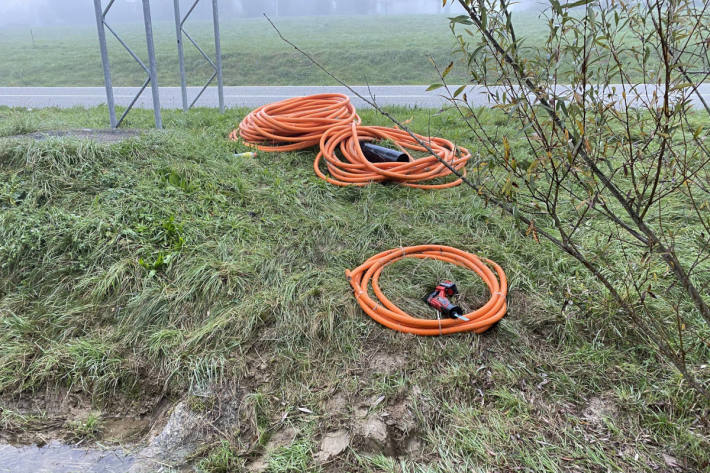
(165, 263)
(357, 49)
(360, 49)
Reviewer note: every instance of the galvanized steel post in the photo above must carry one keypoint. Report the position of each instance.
(216, 64)
(181, 54)
(218, 53)
(152, 63)
(105, 62)
(151, 69)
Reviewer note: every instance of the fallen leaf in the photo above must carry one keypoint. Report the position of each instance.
(304, 409)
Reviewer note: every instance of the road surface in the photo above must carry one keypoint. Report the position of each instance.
(253, 96)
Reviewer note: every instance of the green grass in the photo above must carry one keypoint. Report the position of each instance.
(165, 263)
(359, 49)
(86, 429)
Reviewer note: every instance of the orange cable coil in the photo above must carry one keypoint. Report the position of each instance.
(385, 312)
(357, 170)
(331, 121)
(299, 122)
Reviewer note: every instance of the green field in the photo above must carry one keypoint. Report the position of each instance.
(360, 50)
(165, 268)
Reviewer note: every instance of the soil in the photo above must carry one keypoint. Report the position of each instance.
(597, 410)
(332, 445)
(52, 414)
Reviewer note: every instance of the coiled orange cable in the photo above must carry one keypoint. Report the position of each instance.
(299, 122)
(357, 170)
(331, 121)
(388, 314)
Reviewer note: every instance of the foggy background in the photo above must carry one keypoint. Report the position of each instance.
(75, 12)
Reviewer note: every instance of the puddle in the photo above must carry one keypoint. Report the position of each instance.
(56, 457)
(165, 445)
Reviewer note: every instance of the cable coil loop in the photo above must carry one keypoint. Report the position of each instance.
(353, 169)
(331, 122)
(385, 312)
(295, 123)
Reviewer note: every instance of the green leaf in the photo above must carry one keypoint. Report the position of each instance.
(434, 87)
(459, 90)
(462, 19)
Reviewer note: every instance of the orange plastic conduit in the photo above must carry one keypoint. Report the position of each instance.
(298, 122)
(388, 314)
(331, 121)
(357, 170)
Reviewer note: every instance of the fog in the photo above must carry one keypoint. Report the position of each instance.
(81, 12)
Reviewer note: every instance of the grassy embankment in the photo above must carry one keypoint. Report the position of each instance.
(163, 264)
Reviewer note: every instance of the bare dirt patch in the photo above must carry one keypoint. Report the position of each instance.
(54, 414)
(598, 409)
(387, 363)
(336, 405)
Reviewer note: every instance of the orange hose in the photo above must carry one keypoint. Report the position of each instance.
(388, 314)
(357, 170)
(298, 121)
(331, 121)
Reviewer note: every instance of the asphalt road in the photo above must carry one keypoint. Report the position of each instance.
(253, 96)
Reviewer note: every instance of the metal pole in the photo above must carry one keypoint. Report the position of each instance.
(104, 60)
(153, 66)
(181, 54)
(218, 53)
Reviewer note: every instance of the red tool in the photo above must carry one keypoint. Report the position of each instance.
(439, 300)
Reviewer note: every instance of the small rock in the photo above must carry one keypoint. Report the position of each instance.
(332, 445)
